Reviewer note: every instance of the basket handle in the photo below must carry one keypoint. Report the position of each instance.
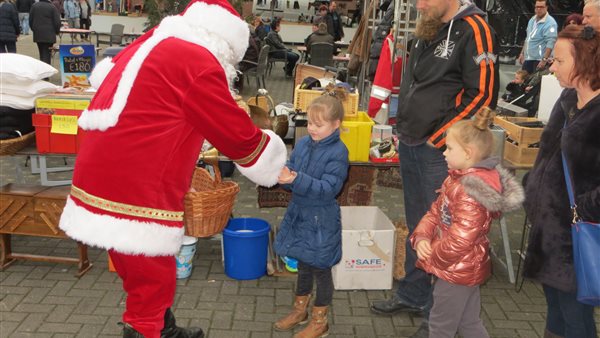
(269, 101)
(215, 164)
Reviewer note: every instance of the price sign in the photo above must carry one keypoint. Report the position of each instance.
(76, 64)
(64, 124)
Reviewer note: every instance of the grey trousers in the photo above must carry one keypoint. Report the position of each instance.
(456, 308)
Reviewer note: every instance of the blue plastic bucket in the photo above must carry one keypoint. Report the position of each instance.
(185, 256)
(245, 247)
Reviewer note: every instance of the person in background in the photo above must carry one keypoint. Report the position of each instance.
(321, 35)
(321, 16)
(259, 28)
(311, 230)
(59, 6)
(451, 239)
(279, 50)
(573, 19)
(516, 87)
(44, 20)
(549, 255)
(591, 14)
(540, 39)
(9, 27)
(334, 22)
(85, 18)
(454, 59)
(357, 15)
(24, 7)
(130, 181)
(72, 14)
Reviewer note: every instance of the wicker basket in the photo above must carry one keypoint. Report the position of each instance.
(303, 97)
(11, 146)
(208, 209)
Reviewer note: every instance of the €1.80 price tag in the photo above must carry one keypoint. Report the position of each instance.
(64, 124)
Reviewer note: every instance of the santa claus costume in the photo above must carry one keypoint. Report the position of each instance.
(156, 103)
(383, 84)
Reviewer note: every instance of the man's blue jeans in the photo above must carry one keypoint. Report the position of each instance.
(423, 169)
(566, 316)
(24, 20)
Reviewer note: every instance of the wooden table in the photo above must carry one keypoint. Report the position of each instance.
(73, 32)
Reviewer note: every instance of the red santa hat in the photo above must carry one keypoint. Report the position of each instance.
(212, 24)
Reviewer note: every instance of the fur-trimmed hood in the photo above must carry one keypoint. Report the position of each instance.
(477, 184)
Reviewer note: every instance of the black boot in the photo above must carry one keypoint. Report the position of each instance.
(130, 332)
(173, 331)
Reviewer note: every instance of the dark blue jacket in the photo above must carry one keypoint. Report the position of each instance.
(311, 230)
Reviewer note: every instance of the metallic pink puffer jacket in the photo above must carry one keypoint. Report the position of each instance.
(459, 220)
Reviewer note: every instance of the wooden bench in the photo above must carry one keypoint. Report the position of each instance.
(34, 210)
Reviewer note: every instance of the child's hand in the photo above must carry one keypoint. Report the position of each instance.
(423, 249)
(286, 176)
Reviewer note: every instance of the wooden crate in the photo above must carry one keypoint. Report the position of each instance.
(519, 156)
(47, 208)
(16, 207)
(303, 97)
(522, 135)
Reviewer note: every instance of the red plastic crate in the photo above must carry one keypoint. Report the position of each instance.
(48, 142)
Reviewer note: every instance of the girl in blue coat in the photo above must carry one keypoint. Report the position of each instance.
(311, 230)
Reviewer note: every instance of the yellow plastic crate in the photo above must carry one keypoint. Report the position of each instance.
(355, 132)
(303, 97)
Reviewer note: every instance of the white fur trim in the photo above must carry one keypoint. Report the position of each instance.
(210, 26)
(122, 235)
(268, 166)
(100, 71)
(222, 23)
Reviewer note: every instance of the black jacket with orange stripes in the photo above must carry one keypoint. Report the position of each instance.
(448, 78)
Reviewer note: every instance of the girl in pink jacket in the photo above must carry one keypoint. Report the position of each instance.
(451, 239)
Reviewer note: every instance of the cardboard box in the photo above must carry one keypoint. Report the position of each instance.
(368, 239)
(57, 107)
(355, 132)
(524, 136)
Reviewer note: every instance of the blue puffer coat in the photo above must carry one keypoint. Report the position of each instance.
(311, 230)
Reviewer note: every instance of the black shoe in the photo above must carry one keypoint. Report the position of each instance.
(130, 332)
(422, 332)
(173, 331)
(391, 306)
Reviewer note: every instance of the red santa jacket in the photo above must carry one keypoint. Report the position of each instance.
(459, 220)
(160, 99)
(383, 84)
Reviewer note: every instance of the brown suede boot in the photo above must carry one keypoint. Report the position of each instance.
(318, 326)
(299, 315)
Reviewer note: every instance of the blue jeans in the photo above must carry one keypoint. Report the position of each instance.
(24, 20)
(423, 169)
(291, 57)
(530, 66)
(566, 316)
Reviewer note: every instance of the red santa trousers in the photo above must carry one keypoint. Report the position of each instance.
(150, 286)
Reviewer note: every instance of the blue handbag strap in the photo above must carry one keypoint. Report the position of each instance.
(569, 182)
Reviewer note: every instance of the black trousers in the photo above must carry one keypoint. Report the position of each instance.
(84, 24)
(306, 276)
(8, 46)
(44, 49)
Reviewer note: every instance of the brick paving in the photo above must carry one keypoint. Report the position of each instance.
(39, 299)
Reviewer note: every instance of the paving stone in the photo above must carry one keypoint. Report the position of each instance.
(383, 326)
(87, 319)
(56, 327)
(265, 304)
(7, 327)
(243, 312)
(221, 320)
(252, 325)
(61, 300)
(9, 302)
(510, 324)
(228, 334)
(32, 322)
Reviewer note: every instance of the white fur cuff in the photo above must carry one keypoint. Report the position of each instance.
(266, 170)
